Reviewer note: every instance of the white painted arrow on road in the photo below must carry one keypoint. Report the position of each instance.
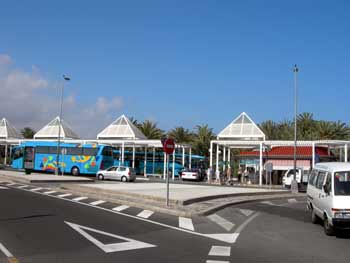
(129, 244)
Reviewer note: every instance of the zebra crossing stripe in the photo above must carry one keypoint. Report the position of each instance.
(80, 198)
(292, 200)
(49, 192)
(145, 214)
(97, 202)
(220, 251)
(120, 208)
(64, 195)
(186, 223)
(36, 189)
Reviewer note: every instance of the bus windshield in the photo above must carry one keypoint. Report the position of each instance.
(342, 183)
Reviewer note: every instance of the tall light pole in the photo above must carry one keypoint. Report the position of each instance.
(65, 78)
(294, 185)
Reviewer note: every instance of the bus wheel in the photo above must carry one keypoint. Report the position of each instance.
(75, 171)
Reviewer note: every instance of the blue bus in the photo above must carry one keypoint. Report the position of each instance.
(157, 166)
(77, 158)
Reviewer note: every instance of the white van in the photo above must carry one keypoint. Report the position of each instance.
(328, 195)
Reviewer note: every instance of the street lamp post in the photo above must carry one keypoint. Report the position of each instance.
(294, 184)
(65, 78)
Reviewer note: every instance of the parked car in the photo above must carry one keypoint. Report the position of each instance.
(193, 174)
(328, 196)
(122, 173)
(301, 180)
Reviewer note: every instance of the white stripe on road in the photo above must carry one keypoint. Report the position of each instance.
(10, 184)
(3, 188)
(186, 223)
(216, 261)
(292, 201)
(64, 195)
(268, 203)
(49, 192)
(97, 202)
(80, 198)
(220, 251)
(120, 208)
(246, 212)
(225, 224)
(36, 189)
(145, 214)
(22, 186)
(5, 251)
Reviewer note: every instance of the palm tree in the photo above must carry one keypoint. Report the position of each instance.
(201, 141)
(306, 126)
(180, 135)
(270, 128)
(135, 122)
(150, 130)
(28, 133)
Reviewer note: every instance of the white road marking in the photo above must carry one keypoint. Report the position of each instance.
(120, 208)
(49, 192)
(64, 195)
(216, 261)
(10, 184)
(186, 223)
(22, 186)
(36, 189)
(129, 244)
(3, 188)
(268, 203)
(5, 251)
(228, 238)
(246, 212)
(145, 214)
(220, 251)
(225, 224)
(292, 201)
(79, 198)
(97, 202)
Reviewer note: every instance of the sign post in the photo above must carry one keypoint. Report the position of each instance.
(168, 148)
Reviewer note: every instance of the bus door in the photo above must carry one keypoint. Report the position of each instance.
(29, 156)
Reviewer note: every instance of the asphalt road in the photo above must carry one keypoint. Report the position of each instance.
(40, 226)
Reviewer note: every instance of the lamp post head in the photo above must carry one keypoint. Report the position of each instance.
(66, 77)
(295, 68)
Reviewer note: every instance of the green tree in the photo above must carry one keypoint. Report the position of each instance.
(180, 135)
(150, 130)
(28, 133)
(201, 139)
(270, 128)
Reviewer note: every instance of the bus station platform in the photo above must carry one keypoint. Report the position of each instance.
(21, 177)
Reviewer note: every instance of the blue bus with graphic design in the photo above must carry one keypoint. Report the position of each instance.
(74, 158)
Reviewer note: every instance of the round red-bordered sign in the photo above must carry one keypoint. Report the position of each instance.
(169, 146)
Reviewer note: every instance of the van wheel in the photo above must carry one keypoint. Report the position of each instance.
(314, 218)
(328, 229)
(100, 177)
(124, 179)
(75, 171)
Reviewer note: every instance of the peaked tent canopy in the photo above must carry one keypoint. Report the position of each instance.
(121, 128)
(8, 131)
(50, 131)
(243, 127)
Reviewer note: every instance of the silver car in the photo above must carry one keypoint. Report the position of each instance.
(122, 173)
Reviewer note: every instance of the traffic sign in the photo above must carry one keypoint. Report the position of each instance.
(169, 146)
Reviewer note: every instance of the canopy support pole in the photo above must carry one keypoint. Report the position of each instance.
(123, 151)
(345, 153)
(145, 163)
(154, 157)
(313, 155)
(190, 160)
(164, 167)
(173, 171)
(217, 158)
(133, 156)
(260, 164)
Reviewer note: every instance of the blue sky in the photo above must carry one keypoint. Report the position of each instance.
(177, 62)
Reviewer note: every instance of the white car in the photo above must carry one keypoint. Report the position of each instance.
(122, 173)
(289, 176)
(328, 195)
(192, 174)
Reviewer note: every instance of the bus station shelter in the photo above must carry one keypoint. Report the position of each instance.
(242, 133)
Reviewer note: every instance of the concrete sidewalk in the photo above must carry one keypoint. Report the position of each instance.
(20, 176)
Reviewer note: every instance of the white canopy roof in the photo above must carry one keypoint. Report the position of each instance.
(8, 131)
(121, 128)
(243, 127)
(50, 131)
